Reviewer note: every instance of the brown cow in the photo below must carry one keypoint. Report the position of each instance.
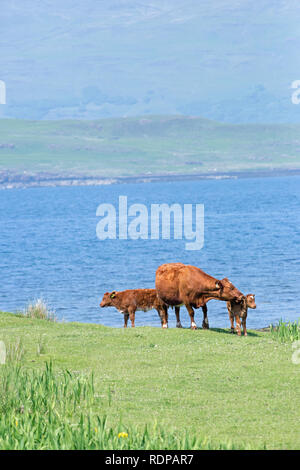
(238, 311)
(179, 284)
(131, 300)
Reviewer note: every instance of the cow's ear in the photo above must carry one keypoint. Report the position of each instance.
(219, 285)
(113, 294)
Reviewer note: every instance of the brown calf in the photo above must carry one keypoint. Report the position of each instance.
(238, 311)
(131, 300)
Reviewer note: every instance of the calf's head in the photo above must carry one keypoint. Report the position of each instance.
(227, 291)
(250, 300)
(108, 299)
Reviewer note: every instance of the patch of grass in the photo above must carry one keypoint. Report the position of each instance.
(41, 346)
(286, 332)
(15, 351)
(39, 309)
(53, 410)
(208, 385)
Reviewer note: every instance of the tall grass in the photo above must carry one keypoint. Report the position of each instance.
(286, 332)
(59, 410)
(41, 345)
(15, 352)
(39, 309)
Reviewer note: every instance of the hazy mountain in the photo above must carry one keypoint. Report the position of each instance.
(230, 60)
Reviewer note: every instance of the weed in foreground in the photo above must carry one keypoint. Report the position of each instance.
(286, 332)
(50, 409)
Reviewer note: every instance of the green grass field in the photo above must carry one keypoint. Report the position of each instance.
(152, 145)
(193, 389)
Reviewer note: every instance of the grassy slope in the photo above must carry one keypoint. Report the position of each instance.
(211, 382)
(135, 146)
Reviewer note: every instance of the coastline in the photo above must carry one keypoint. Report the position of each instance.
(15, 180)
(19, 313)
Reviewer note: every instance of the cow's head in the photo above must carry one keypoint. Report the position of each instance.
(227, 291)
(107, 300)
(250, 300)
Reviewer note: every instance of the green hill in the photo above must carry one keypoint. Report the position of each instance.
(152, 145)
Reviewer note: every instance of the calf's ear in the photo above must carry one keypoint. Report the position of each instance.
(113, 294)
(219, 285)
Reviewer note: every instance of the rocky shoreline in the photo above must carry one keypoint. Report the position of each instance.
(22, 180)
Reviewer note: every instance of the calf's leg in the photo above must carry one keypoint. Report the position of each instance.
(238, 325)
(244, 326)
(231, 318)
(132, 316)
(126, 316)
(178, 322)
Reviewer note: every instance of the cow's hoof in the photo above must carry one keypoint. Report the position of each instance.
(165, 327)
(178, 325)
(193, 326)
(205, 326)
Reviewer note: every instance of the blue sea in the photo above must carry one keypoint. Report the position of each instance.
(49, 248)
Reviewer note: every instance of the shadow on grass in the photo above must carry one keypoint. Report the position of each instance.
(220, 330)
(228, 332)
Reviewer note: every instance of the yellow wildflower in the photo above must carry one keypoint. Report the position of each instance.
(122, 434)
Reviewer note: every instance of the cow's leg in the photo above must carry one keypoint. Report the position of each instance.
(126, 316)
(192, 314)
(132, 316)
(163, 315)
(160, 316)
(205, 324)
(244, 326)
(238, 325)
(178, 322)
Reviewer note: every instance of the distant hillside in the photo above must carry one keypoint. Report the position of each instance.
(152, 145)
(229, 60)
